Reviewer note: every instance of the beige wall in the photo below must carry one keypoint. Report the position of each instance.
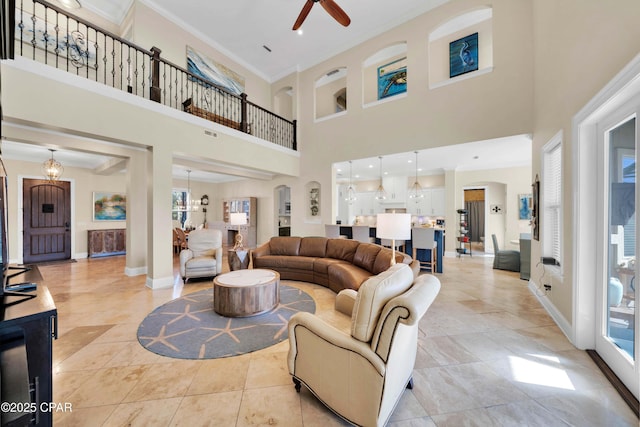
(83, 183)
(152, 29)
(580, 45)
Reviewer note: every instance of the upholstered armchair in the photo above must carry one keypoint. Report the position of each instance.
(203, 256)
(361, 376)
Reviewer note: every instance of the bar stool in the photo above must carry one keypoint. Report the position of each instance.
(425, 238)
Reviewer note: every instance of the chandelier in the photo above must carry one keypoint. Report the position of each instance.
(189, 205)
(415, 192)
(381, 194)
(351, 192)
(52, 169)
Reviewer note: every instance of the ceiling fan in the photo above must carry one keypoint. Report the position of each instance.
(330, 6)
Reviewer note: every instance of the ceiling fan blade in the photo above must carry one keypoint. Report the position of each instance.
(303, 14)
(334, 10)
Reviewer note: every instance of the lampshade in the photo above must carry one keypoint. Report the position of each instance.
(238, 218)
(395, 226)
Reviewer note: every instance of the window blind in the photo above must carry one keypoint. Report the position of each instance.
(552, 202)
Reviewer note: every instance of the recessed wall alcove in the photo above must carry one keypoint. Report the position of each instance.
(283, 103)
(384, 75)
(331, 93)
(476, 21)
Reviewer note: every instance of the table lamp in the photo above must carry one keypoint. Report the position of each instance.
(394, 226)
(238, 218)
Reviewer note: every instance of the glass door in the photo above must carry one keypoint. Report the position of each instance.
(617, 338)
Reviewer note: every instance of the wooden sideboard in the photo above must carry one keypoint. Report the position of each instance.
(106, 242)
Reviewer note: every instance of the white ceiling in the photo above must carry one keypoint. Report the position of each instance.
(240, 28)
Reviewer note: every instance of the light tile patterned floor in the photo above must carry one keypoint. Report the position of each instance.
(489, 355)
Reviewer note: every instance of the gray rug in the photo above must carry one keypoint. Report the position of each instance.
(188, 328)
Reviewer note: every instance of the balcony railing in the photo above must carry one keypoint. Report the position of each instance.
(50, 35)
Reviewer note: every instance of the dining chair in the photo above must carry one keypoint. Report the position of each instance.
(425, 238)
(505, 259)
(182, 238)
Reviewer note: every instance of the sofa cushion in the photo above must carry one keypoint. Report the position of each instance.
(343, 249)
(313, 247)
(373, 294)
(346, 276)
(365, 255)
(279, 262)
(383, 260)
(285, 246)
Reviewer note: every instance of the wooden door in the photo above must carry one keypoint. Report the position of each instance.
(47, 220)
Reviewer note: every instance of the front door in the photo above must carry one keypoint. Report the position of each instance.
(47, 220)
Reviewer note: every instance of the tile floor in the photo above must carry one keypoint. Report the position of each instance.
(489, 355)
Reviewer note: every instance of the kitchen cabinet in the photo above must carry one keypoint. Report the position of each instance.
(430, 204)
(365, 204)
(396, 188)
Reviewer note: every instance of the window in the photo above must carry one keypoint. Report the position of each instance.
(178, 211)
(552, 199)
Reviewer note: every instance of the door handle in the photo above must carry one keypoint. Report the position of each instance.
(67, 225)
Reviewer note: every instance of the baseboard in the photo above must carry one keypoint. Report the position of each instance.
(163, 283)
(137, 271)
(557, 317)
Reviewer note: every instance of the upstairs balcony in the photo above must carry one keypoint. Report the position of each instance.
(50, 35)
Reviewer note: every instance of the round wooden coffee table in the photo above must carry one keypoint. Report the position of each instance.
(243, 293)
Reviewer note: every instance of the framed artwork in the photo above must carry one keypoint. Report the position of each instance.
(463, 55)
(109, 206)
(535, 209)
(525, 205)
(314, 201)
(73, 45)
(208, 69)
(392, 78)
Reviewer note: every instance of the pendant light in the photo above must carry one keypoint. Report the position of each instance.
(415, 192)
(381, 194)
(52, 168)
(192, 205)
(351, 192)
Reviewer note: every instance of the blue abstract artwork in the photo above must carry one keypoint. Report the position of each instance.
(208, 69)
(392, 78)
(463, 55)
(525, 206)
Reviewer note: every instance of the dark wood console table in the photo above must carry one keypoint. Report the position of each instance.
(106, 242)
(27, 327)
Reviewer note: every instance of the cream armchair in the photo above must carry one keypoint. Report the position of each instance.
(362, 376)
(203, 256)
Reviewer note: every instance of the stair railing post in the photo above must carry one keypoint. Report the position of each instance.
(156, 92)
(243, 113)
(295, 135)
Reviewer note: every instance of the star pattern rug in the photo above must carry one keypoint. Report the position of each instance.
(188, 328)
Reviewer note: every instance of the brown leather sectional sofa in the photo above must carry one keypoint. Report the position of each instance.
(335, 263)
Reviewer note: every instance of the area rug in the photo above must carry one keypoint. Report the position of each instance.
(188, 328)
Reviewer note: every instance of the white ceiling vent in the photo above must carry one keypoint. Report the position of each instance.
(210, 133)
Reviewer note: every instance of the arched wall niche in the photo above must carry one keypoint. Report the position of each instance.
(479, 20)
(384, 73)
(326, 88)
(283, 102)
